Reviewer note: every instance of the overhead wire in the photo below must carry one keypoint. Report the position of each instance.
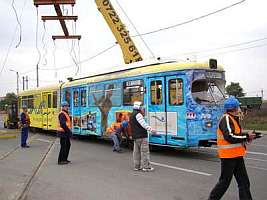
(36, 36)
(140, 35)
(236, 50)
(12, 40)
(224, 47)
(189, 21)
(85, 60)
(18, 21)
(44, 44)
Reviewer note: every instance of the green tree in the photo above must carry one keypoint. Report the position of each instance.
(235, 89)
(9, 98)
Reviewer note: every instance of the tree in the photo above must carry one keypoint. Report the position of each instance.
(9, 98)
(235, 89)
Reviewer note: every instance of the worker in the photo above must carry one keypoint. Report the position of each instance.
(115, 130)
(24, 124)
(64, 132)
(139, 134)
(231, 150)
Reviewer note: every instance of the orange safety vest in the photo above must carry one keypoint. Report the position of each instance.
(226, 149)
(28, 121)
(113, 127)
(68, 122)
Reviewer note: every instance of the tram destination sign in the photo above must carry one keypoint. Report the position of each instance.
(214, 75)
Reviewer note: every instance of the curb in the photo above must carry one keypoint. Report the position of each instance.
(7, 136)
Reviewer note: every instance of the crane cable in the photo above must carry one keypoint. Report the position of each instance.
(191, 20)
(140, 35)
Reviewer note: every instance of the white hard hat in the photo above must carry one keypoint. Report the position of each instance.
(137, 105)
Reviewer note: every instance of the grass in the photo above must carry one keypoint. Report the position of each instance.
(256, 119)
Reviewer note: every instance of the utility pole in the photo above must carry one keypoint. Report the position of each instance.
(27, 86)
(23, 83)
(262, 93)
(17, 73)
(37, 75)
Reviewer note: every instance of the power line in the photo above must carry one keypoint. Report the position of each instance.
(242, 49)
(85, 60)
(149, 49)
(13, 38)
(224, 47)
(20, 28)
(191, 20)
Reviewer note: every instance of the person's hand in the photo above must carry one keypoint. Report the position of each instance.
(153, 131)
(251, 136)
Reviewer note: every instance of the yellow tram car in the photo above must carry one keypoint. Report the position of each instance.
(43, 106)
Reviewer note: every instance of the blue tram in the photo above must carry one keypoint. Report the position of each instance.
(183, 101)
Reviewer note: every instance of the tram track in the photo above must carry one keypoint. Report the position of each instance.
(26, 188)
(16, 148)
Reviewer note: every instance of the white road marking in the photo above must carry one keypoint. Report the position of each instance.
(181, 169)
(257, 153)
(257, 167)
(262, 160)
(259, 145)
(249, 152)
(43, 140)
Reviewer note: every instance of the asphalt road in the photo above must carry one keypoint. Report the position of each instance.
(98, 173)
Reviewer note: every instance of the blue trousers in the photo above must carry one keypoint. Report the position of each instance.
(116, 142)
(24, 136)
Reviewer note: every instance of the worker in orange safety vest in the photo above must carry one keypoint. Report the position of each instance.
(231, 144)
(64, 132)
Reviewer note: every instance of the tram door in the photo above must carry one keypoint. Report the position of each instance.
(157, 109)
(166, 110)
(47, 111)
(76, 111)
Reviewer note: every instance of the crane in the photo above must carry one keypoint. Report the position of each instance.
(129, 50)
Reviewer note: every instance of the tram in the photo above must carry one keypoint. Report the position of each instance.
(183, 101)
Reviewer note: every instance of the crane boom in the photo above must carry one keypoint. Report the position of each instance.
(129, 50)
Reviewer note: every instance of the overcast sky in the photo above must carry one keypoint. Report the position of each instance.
(240, 24)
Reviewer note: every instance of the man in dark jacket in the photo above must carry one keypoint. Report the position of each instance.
(64, 132)
(25, 123)
(139, 133)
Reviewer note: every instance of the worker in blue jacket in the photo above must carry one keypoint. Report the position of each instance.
(24, 124)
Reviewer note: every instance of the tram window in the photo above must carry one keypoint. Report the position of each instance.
(54, 99)
(113, 93)
(156, 92)
(76, 98)
(133, 91)
(49, 101)
(30, 101)
(67, 96)
(83, 98)
(24, 101)
(96, 95)
(176, 92)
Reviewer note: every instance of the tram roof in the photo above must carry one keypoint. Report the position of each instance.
(136, 69)
(40, 89)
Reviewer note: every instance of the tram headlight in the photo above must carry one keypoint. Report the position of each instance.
(208, 124)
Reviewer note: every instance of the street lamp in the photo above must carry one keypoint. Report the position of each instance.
(17, 79)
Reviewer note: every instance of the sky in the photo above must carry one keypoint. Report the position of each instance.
(236, 37)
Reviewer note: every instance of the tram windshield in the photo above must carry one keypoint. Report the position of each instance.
(208, 91)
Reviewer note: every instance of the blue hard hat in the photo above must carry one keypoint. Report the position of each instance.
(124, 124)
(231, 103)
(64, 103)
